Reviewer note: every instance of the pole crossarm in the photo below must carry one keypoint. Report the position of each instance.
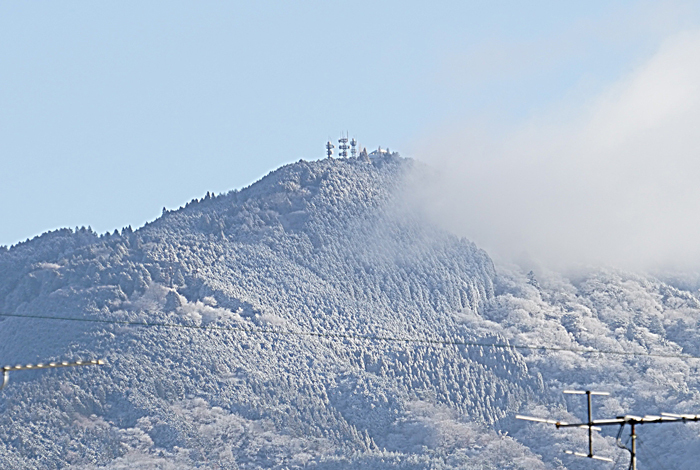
(648, 419)
(51, 365)
(558, 424)
(581, 454)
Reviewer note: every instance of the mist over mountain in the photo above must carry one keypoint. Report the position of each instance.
(282, 328)
(607, 179)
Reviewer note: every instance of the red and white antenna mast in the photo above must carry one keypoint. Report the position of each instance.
(343, 146)
(51, 365)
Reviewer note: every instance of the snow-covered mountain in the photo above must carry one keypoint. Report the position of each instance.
(270, 311)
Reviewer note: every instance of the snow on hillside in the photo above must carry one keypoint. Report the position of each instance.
(328, 248)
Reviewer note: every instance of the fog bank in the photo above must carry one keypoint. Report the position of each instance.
(612, 179)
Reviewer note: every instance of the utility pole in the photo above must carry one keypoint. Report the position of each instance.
(51, 365)
(622, 421)
(633, 450)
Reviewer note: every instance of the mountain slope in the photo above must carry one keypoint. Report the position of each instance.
(314, 247)
(266, 328)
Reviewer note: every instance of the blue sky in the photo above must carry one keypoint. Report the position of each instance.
(110, 111)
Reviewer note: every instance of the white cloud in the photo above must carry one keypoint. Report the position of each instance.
(615, 181)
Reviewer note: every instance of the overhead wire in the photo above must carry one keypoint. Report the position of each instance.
(659, 465)
(619, 444)
(617, 461)
(354, 336)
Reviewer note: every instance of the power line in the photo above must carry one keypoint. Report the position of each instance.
(355, 336)
(617, 460)
(650, 454)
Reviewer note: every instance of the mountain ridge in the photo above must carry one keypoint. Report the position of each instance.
(326, 246)
(249, 294)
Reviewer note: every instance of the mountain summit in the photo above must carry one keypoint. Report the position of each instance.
(313, 319)
(255, 287)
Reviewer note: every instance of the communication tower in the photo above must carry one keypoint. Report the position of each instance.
(343, 147)
(329, 149)
(353, 148)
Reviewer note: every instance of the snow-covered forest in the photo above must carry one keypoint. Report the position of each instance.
(283, 326)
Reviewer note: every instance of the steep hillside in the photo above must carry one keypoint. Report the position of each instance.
(315, 319)
(313, 248)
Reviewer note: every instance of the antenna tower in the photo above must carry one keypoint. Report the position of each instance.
(622, 421)
(343, 146)
(329, 149)
(353, 148)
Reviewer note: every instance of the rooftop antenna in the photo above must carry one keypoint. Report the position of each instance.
(51, 365)
(329, 149)
(343, 146)
(353, 148)
(622, 421)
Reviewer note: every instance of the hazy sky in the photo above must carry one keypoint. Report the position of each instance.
(605, 176)
(111, 110)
